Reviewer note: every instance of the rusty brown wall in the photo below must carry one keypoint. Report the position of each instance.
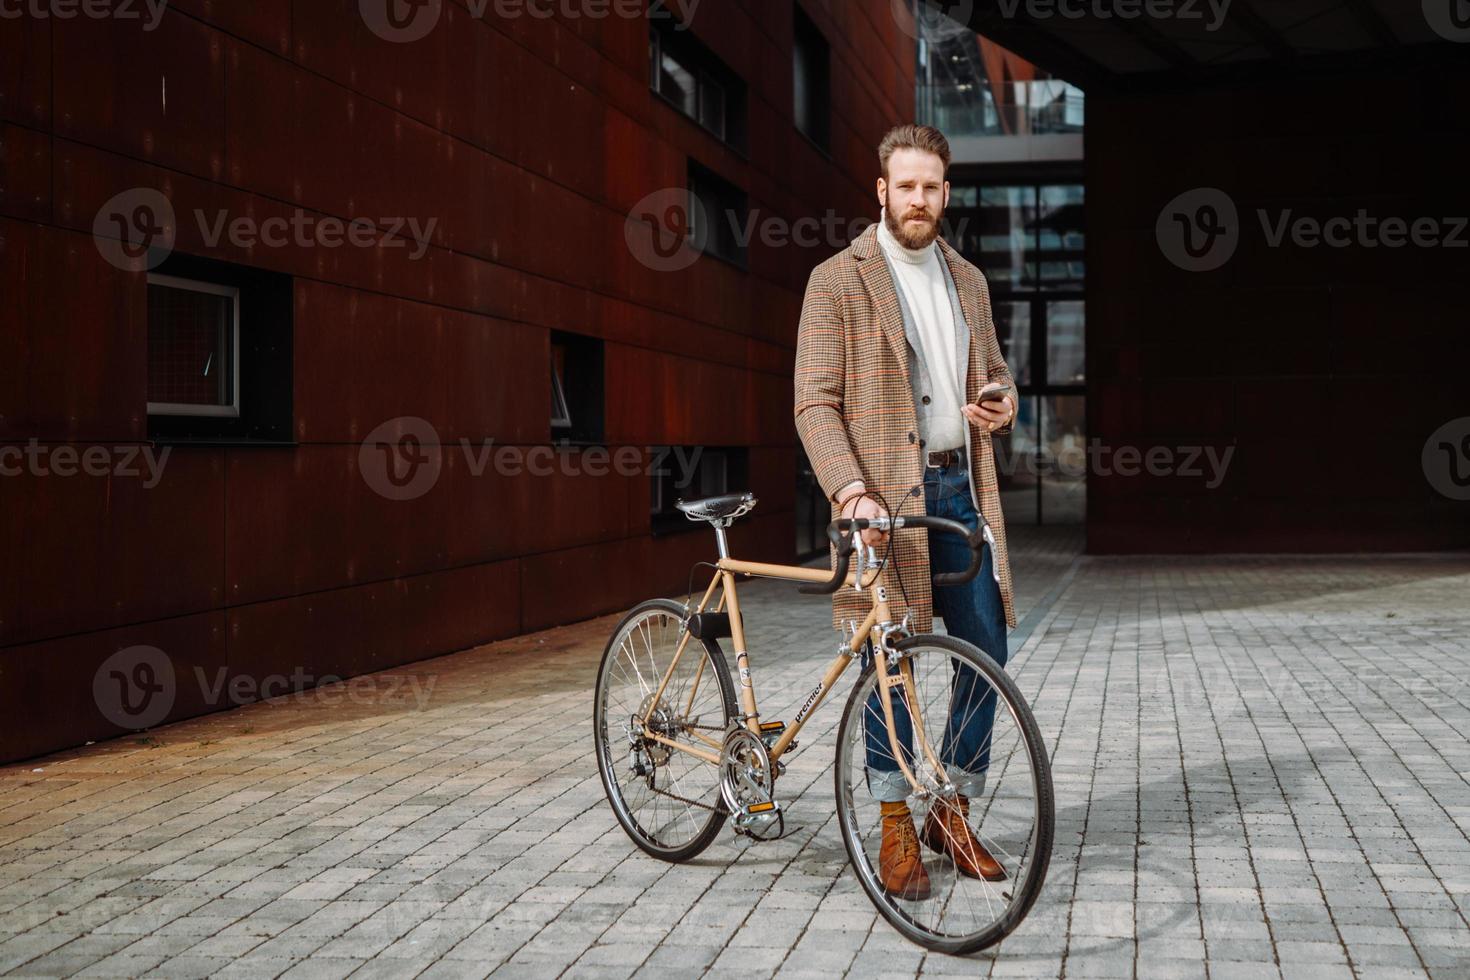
(528, 140)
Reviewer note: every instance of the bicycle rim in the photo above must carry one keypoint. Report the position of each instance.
(1012, 815)
(668, 801)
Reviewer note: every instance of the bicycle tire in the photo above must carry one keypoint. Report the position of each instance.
(1045, 822)
(607, 761)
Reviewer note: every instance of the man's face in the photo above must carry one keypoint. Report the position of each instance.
(914, 196)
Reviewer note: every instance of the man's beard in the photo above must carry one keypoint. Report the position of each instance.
(910, 235)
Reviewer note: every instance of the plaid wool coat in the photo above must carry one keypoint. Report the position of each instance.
(856, 418)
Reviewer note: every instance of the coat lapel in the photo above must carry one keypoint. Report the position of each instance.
(883, 294)
(972, 380)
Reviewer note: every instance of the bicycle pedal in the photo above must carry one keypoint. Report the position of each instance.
(771, 731)
(756, 816)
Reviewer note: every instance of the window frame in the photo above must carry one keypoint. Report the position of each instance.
(811, 54)
(232, 410)
(710, 75)
(703, 185)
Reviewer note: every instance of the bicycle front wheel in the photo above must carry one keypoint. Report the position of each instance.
(981, 823)
(663, 702)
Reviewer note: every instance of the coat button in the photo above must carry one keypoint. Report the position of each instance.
(912, 437)
(921, 443)
(926, 399)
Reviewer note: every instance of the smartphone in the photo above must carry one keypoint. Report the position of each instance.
(995, 394)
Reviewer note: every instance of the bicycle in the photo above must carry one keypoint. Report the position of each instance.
(677, 756)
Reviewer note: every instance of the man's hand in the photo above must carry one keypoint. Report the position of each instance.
(866, 508)
(990, 415)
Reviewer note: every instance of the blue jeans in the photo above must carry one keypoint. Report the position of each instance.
(971, 611)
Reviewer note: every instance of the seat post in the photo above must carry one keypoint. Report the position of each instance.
(720, 542)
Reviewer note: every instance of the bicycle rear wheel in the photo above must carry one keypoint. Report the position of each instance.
(996, 784)
(667, 800)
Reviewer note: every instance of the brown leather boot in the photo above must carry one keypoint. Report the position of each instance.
(900, 861)
(947, 830)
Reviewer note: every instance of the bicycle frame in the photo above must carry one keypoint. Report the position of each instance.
(878, 617)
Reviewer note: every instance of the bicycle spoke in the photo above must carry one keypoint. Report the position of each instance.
(973, 728)
(666, 799)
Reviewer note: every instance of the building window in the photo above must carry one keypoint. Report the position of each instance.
(811, 81)
(1030, 240)
(689, 473)
(690, 78)
(219, 353)
(193, 347)
(576, 387)
(718, 215)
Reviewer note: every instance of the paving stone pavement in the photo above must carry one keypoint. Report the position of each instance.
(1261, 766)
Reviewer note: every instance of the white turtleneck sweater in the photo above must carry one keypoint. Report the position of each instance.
(922, 282)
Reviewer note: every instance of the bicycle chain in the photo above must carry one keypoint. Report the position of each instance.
(675, 796)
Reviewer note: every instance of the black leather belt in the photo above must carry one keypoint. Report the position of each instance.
(945, 458)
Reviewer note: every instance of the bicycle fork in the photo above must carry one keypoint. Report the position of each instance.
(900, 679)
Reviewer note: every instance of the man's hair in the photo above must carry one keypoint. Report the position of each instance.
(912, 136)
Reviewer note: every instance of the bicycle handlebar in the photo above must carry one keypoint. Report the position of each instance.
(843, 533)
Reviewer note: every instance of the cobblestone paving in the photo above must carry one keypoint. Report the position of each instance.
(1261, 767)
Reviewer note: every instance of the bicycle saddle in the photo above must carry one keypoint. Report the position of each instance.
(727, 506)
